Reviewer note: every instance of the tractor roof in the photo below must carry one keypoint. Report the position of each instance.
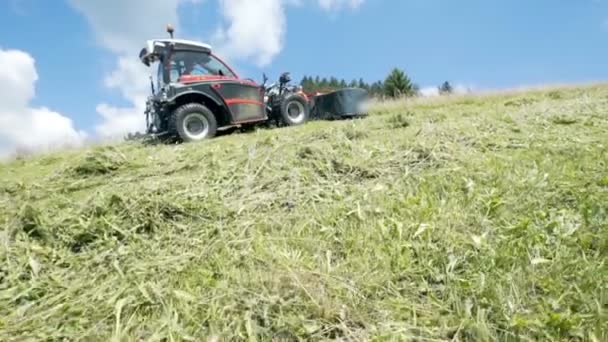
(182, 43)
(154, 47)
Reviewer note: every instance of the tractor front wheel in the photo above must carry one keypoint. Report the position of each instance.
(193, 122)
(294, 110)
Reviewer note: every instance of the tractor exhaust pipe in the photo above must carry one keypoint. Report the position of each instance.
(170, 30)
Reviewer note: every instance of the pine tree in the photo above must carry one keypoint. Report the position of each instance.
(304, 82)
(446, 88)
(398, 84)
(333, 83)
(363, 85)
(316, 84)
(324, 85)
(308, 84)
(353, 84)
(343, 83)
(376, 89)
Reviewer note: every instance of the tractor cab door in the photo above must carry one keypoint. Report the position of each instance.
(243, 98)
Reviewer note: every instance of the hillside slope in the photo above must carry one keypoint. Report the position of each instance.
(472, 218)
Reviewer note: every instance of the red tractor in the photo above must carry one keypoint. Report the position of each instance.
(197, 94)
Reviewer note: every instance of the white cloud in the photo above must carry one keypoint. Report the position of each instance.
(119, 121)
(254, 30)
(332, 5)
(130, 78)
(26, 128)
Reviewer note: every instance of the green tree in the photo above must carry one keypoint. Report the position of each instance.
(306, 83)
(398, 84)
(310, 84)
(363, 85)
(324, 84)
(334, 83)
(376, 89)
(353, 84)
(446, 88)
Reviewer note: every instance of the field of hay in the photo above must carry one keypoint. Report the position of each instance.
(474, 218)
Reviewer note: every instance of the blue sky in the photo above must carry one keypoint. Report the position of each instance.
(481, 43)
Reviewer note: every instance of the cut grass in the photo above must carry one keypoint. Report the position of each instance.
(468, 218)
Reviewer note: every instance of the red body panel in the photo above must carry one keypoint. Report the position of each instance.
(243, 101)
(206, 78)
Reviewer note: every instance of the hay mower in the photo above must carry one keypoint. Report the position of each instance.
(196, 95)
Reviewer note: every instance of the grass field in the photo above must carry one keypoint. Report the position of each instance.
(474, 218)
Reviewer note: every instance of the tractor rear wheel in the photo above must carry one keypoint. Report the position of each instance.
(193, 122)
(294, 110)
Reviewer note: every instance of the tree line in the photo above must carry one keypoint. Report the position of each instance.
(396, 84)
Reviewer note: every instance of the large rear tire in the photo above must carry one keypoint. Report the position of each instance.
(193, 122)
(294, 110)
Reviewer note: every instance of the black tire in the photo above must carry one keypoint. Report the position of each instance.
(193, 122)
(294, 110)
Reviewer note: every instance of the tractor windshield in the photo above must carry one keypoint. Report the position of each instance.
(183, 63)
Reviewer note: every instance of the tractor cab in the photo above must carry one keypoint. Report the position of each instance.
(184, 61)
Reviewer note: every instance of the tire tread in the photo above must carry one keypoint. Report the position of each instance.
(182, 110)
(283, 109)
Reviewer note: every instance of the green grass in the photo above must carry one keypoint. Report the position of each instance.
(474, 218)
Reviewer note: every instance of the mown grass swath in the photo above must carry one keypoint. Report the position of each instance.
(468, 218)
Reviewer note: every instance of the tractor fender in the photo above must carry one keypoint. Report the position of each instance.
(179, 97)
(209, 100)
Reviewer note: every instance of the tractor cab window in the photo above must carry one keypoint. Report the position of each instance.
(196, 64)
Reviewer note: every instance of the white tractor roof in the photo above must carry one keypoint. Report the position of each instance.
(182, 42)
(149, 54)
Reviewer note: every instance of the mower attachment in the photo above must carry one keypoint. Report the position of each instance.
(339, 104)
